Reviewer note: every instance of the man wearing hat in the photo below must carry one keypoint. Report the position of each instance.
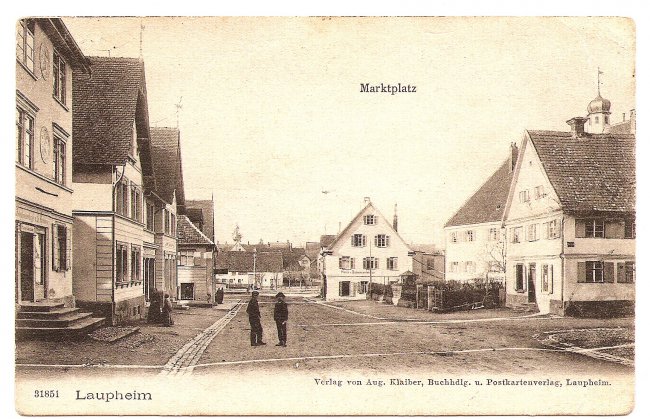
(254, 317)
(281, 315)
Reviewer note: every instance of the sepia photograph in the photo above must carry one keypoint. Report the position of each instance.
(325, 215)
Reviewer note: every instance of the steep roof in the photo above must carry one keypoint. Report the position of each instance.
(188, 233)
(64, 43)
(106, 104)
(591, 172)
(168, 169)
(488, 202)
(312, 249)
(206, 208)
(243, 261)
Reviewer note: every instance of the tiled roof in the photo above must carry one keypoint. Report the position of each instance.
(243, 261)
(488, 202)
(106, 104)
(621, 128)
(188, 233)
(425, 248)
(589, 173)
(206, 207)
(327, 239)
(168, 170)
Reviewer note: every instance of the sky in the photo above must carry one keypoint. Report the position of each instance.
(274, 124)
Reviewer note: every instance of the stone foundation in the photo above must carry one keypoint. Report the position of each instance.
(516, 299)
(119, 313)
(599, 309)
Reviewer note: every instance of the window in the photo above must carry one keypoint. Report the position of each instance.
(606, 119)
(382, 240)
(591, 228)
(150, 216)
(551, 230)
(187, 291)
(547, 278)
(58, 74)
(493, 234)
(454, 237)
(135, 263)
(594, 271)
(532, 232)
(25, 43)
(344, 288)
(469, 235)
(186, 258)
(61, 248)
(596, 119)
(524, 196)
(516, 234)
(370, 263)
(122, 197)
(363, 287)
(470, 267)
(630, 272)
(539, 192)
(58, 159)
(519, 277)
(370, 220)
(121, 263)
(346, 262)
(166, 214)
(358, 240)
(431, 264)
(24, 138)
(453, 267)
(391, 264)
(630, 228)
(173, 226)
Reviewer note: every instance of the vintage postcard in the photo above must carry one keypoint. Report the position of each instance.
(325, 215)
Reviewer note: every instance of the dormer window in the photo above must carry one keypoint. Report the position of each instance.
(370, 220)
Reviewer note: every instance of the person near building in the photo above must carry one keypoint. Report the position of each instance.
(167, 311)
(281, 315)
(254, 318)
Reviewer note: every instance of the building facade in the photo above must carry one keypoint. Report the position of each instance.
(112, 172)
(368, 250)
(474, 237)
(46, 56)
(570, 219)
(195, 263)
(248, 270)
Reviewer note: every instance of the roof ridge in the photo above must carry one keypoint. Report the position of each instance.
(196, 228)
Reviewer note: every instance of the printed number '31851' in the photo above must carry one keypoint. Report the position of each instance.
(46, 394)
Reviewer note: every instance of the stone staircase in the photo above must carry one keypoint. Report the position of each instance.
(51, 320)
(525, 307)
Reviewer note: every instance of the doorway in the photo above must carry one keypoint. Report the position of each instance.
(531, 283)
(187, 291)
(149, 277)
(32, 266)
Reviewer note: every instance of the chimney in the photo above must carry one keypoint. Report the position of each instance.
(632, 121)
(577, 125)
(366, 199)
(514, 152)
(395, 219)
(623, 116)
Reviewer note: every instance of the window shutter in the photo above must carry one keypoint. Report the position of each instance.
(353, 288)
(55, 248)
(340, 289)
(609, 272)
(68, 249)
(387, 241)
(352, 240)
(351, 263)
(620, 272)
(550, 279)
(580, 228)
(363, 240)
(340, 263)
(582, 271)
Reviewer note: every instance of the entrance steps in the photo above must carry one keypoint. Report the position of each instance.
(51, 320)
(525, 307)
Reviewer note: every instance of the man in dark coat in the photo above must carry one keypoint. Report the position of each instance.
(281, 315)
(254, 318)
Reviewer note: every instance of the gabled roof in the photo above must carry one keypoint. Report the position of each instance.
(64, 43)
(344, 232)
(312, 249)
(591, 172)
(488, 202)
(243, 261)
(168, 168)
(106, 104)
(206, 208)
(189, 234)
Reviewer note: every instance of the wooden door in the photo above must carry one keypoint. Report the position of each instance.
(26, 267)
(531, 282)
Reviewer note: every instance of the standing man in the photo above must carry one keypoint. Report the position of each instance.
(254, 318)
(281, 315)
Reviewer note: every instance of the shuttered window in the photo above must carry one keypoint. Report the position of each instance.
(547, 279)
(61, 248)
(519, 277)
(595, 271)
(358, 240)
(382, 240)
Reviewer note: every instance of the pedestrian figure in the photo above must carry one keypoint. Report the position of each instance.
(254, 318)
(167, 311)
(281, 315)
(220, 296)
(155, 307)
